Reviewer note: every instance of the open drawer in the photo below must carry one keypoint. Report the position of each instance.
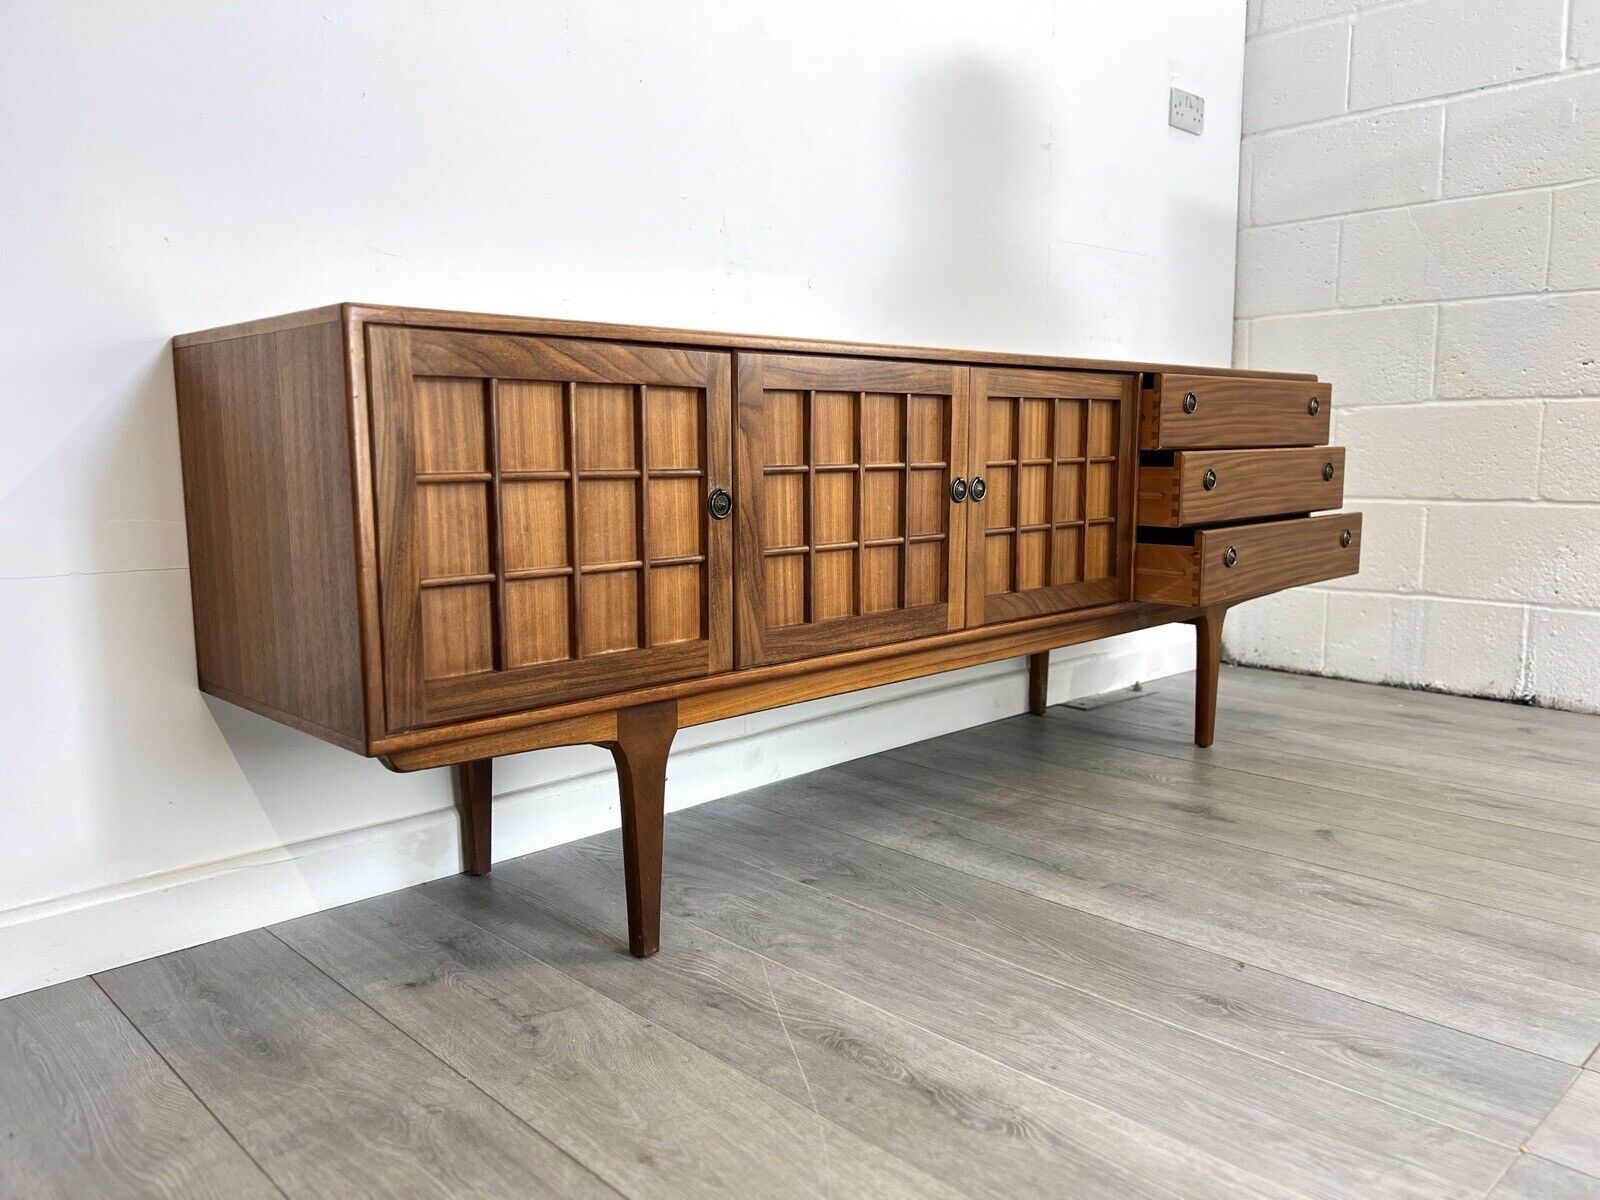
(1203, 487)
(1180, 412)
(1194, 568)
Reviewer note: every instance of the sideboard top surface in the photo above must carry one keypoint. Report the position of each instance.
(443, 319)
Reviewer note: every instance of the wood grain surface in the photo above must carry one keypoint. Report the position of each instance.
(1243, 484)
(327, 1096)
(88, 1108)
(427, 318)
(265, 448)
(1225, 413)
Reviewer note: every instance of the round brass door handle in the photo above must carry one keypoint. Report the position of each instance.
(1344, 540)
(1190, 402)
(719, 504)
(1327, 472)
(958, 489)
(1230, 556)
(1209, 479)
(979, 489)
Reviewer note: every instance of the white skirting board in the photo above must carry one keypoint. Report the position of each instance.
(61, 939)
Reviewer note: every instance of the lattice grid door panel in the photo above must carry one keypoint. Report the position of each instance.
(1051, 449)
(847, 536)
(560, 539)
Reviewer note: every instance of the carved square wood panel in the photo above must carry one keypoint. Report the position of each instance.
(846, 468)
(555, 495)
(1053, 453)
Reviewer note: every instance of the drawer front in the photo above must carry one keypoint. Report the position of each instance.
(1222, 566)
(1203, 487)
(1179, 412)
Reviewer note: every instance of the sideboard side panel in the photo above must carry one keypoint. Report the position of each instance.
(264, 439)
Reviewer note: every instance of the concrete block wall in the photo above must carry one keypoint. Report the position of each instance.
(1419, 221)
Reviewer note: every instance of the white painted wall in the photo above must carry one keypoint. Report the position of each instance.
(995, 176)
(1420, 222)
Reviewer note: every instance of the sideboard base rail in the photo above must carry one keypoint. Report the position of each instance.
(742, 692)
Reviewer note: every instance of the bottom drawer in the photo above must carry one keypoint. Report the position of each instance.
(1218, 566)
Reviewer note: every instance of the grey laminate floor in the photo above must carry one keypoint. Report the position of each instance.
(1351, 951)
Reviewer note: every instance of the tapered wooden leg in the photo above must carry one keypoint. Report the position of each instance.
(474, 791)
(1208, 657)
(644, 738)
(1038, 682)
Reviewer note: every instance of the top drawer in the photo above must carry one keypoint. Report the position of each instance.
(1180, 412)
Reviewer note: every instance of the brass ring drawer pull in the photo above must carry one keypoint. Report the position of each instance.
(1231, 555)
(1327, 472)
(1344, 540)
(1314, 406)
(1190, 402)
(1209, 479)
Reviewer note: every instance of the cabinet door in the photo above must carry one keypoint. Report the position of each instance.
(1054, 452)
(848, 536)
(542, 518)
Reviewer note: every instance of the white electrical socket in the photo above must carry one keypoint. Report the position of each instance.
(1186, 111)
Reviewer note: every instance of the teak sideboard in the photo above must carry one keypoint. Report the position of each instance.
(439, 537)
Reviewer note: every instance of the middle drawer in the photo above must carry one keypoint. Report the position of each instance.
(1201, 487)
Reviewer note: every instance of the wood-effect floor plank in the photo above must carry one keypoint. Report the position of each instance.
(1051, 753)
(1170, 734)
(1519, 765)
(1298, 1131)
(326, 1096)
(1542, 756)
(1496, 975)
(87, 1108)
(642, 1108)
(987, 1129)
(1474, 1085)
(1535, 1178)
(1206, 777)
(1406, 711)
(1570, 1135)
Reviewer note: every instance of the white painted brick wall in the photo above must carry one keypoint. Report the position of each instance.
(1485, 246)
(1562, 650)
(1436, 47)
(1569, 452)
(1348, 163)
(1455, 451)
(1300, 75)
(1516, 137)
(1429, 240)
(1521, 346)
(1454, 644)
(1288, 268)
(1583, 43)
(1545, 554)
(1374, 355)
(1575, 236)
